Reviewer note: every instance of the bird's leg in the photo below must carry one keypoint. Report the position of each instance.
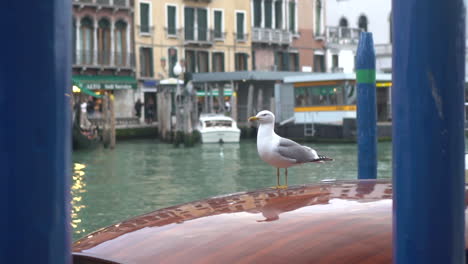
(277, 177)
(286, 174)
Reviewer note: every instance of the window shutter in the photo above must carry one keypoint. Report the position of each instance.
(144, 18)
(240, 26)
(254, 67)
(222, 61)
(218, 16)
(246, 61)
(257, 13)
(150, 59)
(189, 23)
(278, 14)
(296, 61)
(171, 20)
(292, 17)
(268, 14)
(285, 61)
(142, 62)
(202, 24)
(236, 62)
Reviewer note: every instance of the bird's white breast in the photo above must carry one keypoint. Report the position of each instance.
(267, 150)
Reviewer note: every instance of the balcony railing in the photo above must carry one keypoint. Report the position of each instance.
(271, 36)
(383, 49)
(241, 37)
(104, 3)
(343, 35)
(89, 58)
(145, 30)
(201, 36)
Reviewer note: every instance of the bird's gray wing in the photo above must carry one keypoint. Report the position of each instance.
(292, 150)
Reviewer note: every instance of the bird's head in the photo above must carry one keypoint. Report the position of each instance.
(263, 117)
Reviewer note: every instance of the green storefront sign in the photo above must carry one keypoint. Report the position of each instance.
(105, 82)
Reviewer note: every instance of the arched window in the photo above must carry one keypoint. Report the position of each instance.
(86, 45)
(104, 45)
(120, 43)
(343, 22)
(345, 31)
(362, 23)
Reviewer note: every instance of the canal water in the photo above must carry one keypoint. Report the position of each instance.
(140, 176)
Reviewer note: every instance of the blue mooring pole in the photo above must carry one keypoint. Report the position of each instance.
(366, 108)
(35, 127)
(428, 131)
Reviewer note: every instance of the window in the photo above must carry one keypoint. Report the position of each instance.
(120, 43)
(196, 24)
(240, 26)
(203, 61)
(218, 62)
(345, 31)
(268, 14)
(343, 22)
(292, 17)
(241, 61)
(257, 16)
(190, 61)
(218, 24)
(202, 25)
(278, 14)
(146, 62)
(318, 17)
(198, 61)
(171, 20)
(319, 63)
(293, 61)
(336, 94)
(87, 40)
(104, 42)
(254, 66)
(391, 27)
(362, 23)
(334, 62)
(172, 57)
(144, 18)
(74, 41)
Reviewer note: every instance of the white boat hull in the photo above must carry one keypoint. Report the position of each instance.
(218, 136)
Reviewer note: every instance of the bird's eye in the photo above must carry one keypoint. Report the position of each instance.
(264, 114)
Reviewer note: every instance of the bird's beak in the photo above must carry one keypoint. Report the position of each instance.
(253, 118)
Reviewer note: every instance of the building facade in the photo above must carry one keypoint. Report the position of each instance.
(103, 57)
(274, 26)
(204, 36)
(345, 20)
(310, 45)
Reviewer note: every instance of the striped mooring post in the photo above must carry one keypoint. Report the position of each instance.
(366, 108)
(35, 132)
(428, 131)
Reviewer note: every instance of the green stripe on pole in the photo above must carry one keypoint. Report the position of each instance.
(365, 76)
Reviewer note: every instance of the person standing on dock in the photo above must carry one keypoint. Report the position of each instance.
(138, 105)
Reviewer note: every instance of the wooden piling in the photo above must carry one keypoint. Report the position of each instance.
(234, 88)
(112, 122)
(249, 102)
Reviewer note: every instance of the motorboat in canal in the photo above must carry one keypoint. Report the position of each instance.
(215, 128)
(332, 222)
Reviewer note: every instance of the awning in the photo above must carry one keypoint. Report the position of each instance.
(77, 89)
(104, 82)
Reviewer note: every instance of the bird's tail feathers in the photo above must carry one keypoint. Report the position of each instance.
(321, 159)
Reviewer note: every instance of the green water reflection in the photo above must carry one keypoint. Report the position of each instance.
(140, 176)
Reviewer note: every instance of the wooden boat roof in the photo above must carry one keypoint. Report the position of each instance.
(337, 222)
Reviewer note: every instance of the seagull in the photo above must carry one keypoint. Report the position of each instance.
(281, 152)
